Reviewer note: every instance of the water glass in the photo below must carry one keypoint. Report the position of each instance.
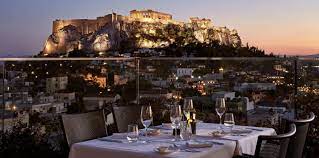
(146, 116)
(229, 120)
(176, 117)
(186, 131)
(132, 133)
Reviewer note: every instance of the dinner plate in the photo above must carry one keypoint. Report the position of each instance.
(167, 151)
(218, 134)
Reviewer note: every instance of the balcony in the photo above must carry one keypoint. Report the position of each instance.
(259, 91)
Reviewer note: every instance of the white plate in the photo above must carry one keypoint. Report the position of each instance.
(218, 134)
(168, 151)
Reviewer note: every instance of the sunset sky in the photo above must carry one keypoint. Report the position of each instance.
(279, 26)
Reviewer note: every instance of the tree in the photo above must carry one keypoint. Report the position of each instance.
(190, 92)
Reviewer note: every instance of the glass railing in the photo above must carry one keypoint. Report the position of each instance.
(34, 92)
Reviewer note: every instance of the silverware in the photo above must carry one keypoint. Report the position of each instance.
(255, 129)
(190, 150)
(238, 134)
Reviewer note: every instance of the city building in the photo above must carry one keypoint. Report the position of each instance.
(240, 104)
(65, 97)
(223, 94)
(54, 84)
(100, 80)
(255, 87)
(46, 99)
(53, 107)
(181, 72)
(156, 93)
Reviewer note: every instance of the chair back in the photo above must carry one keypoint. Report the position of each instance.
(109, 115)
(110, 120)
(274, 146)
(85, 126)
(125, 115)
(297, 142)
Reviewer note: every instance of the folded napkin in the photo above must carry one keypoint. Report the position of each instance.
(198, 144)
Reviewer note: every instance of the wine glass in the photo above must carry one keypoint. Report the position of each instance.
(132, 133)
(229, 120)
(146, 117)
(175, 116)
(187, 107)
(220, 108)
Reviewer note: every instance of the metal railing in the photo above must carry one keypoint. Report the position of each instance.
(296, 66)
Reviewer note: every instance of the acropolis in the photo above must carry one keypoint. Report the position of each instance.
(141, 29)
(86, 26)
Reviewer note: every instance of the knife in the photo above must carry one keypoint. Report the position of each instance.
(255, 129)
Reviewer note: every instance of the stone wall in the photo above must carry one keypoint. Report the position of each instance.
(140, 14)
(84, 26)
(87, 26)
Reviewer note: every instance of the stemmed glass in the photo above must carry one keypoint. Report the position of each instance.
(220, 108)
(146, 117)
(176, 116)
(187, 107)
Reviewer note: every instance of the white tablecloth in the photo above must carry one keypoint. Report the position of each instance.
(231, 144)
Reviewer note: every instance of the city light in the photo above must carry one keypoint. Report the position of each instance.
(14, 108)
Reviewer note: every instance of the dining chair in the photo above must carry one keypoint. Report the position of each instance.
(110, 120)
(125, 115)
(272, 146)
(297, 142)
(84, 126)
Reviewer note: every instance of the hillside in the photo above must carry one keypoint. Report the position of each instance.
(129, 33)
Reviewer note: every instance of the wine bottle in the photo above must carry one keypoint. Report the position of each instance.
(192, 120)
(176, 131)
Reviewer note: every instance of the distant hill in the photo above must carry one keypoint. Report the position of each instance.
(312, 56)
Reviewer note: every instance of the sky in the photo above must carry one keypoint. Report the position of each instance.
(280, 26)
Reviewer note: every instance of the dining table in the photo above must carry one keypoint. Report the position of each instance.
(237, 141)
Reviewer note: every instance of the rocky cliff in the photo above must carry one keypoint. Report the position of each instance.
(137, 34)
